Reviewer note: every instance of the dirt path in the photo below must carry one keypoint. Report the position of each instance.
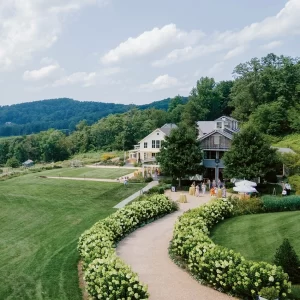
(146, 251)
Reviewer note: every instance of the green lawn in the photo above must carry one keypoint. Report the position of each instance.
(102, 173)
(257, 237)
(41, 220)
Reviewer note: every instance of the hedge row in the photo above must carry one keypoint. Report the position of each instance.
(276, 204)
(218, 266)
(106, 275)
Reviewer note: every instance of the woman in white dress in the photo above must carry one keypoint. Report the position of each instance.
(197, 190)
(203, 188)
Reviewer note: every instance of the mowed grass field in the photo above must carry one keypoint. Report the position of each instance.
(258, 236)
(109, 173)
(41, 221)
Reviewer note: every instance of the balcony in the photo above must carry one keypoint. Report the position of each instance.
(211, 163)
(216, 143)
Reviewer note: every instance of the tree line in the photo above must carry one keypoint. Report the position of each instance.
(264, 95)
(63, 114)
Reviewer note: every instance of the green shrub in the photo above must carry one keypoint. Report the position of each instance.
(269, 293)
(218, 266)
(246, 206)
(295, 183)
(148, 179)
(159, 189)
(165, 180)
(287, 258)
(113, 279)
(12, 162)
(107, 276)
(229, 185)
(276, 204)
(268, 188)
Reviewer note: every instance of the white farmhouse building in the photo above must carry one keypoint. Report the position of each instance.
(215, 138)
(150, 145)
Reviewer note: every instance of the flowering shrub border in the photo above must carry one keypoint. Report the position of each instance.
(218, 266)
(105, 274)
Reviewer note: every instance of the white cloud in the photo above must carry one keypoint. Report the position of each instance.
(48, 72)
(272, 45)
(285, 23)
(151, 41)
(81, 78)
(187, 53)
(28, 26)
(235, 52)
(216, 68)
(161, 83)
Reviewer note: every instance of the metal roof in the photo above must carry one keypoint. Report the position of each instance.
(166, 129)
(206, 126)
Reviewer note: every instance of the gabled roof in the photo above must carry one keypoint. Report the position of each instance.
(29, 161)
(226, 134)
(156, 130)
(232, 119)
(166, 129)
(206, 126)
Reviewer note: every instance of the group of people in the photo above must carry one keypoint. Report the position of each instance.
(200, 187)
(214, 187)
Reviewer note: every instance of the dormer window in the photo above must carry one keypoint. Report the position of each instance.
(219, 125)
(157, 133)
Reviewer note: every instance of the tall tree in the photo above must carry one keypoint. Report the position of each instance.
(180, 154)
(223, 89)
(265, 80)
(250, 155)
(204, 102)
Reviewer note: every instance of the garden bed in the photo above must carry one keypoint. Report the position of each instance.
(216, 265)
(105, 274)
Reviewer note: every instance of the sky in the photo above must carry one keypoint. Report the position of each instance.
(134, 51)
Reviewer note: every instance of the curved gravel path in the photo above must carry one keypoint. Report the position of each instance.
(146, 251)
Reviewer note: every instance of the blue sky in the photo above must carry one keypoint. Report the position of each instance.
(134, 51)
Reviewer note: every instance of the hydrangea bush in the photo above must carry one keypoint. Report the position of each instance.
(218, 266)
(106, 275)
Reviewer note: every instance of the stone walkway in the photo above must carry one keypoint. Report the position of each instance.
(146, 251)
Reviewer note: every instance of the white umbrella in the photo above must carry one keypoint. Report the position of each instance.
(196, 177)
(245, 189)
(246, 183)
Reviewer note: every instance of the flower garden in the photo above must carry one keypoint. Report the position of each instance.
(108, 277)
(105, 274)
(216, 265)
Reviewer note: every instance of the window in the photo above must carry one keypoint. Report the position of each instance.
(153, 143)
(145, 145)
(210, 154)
(153, 154)
(216, 139)
(158, 144)
(157, 133)
(219, 125)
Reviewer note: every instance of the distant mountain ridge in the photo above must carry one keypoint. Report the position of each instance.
(61, 113)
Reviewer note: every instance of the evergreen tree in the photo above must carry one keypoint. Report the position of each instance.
(287, 258)
(250, 155)
(180, 154)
